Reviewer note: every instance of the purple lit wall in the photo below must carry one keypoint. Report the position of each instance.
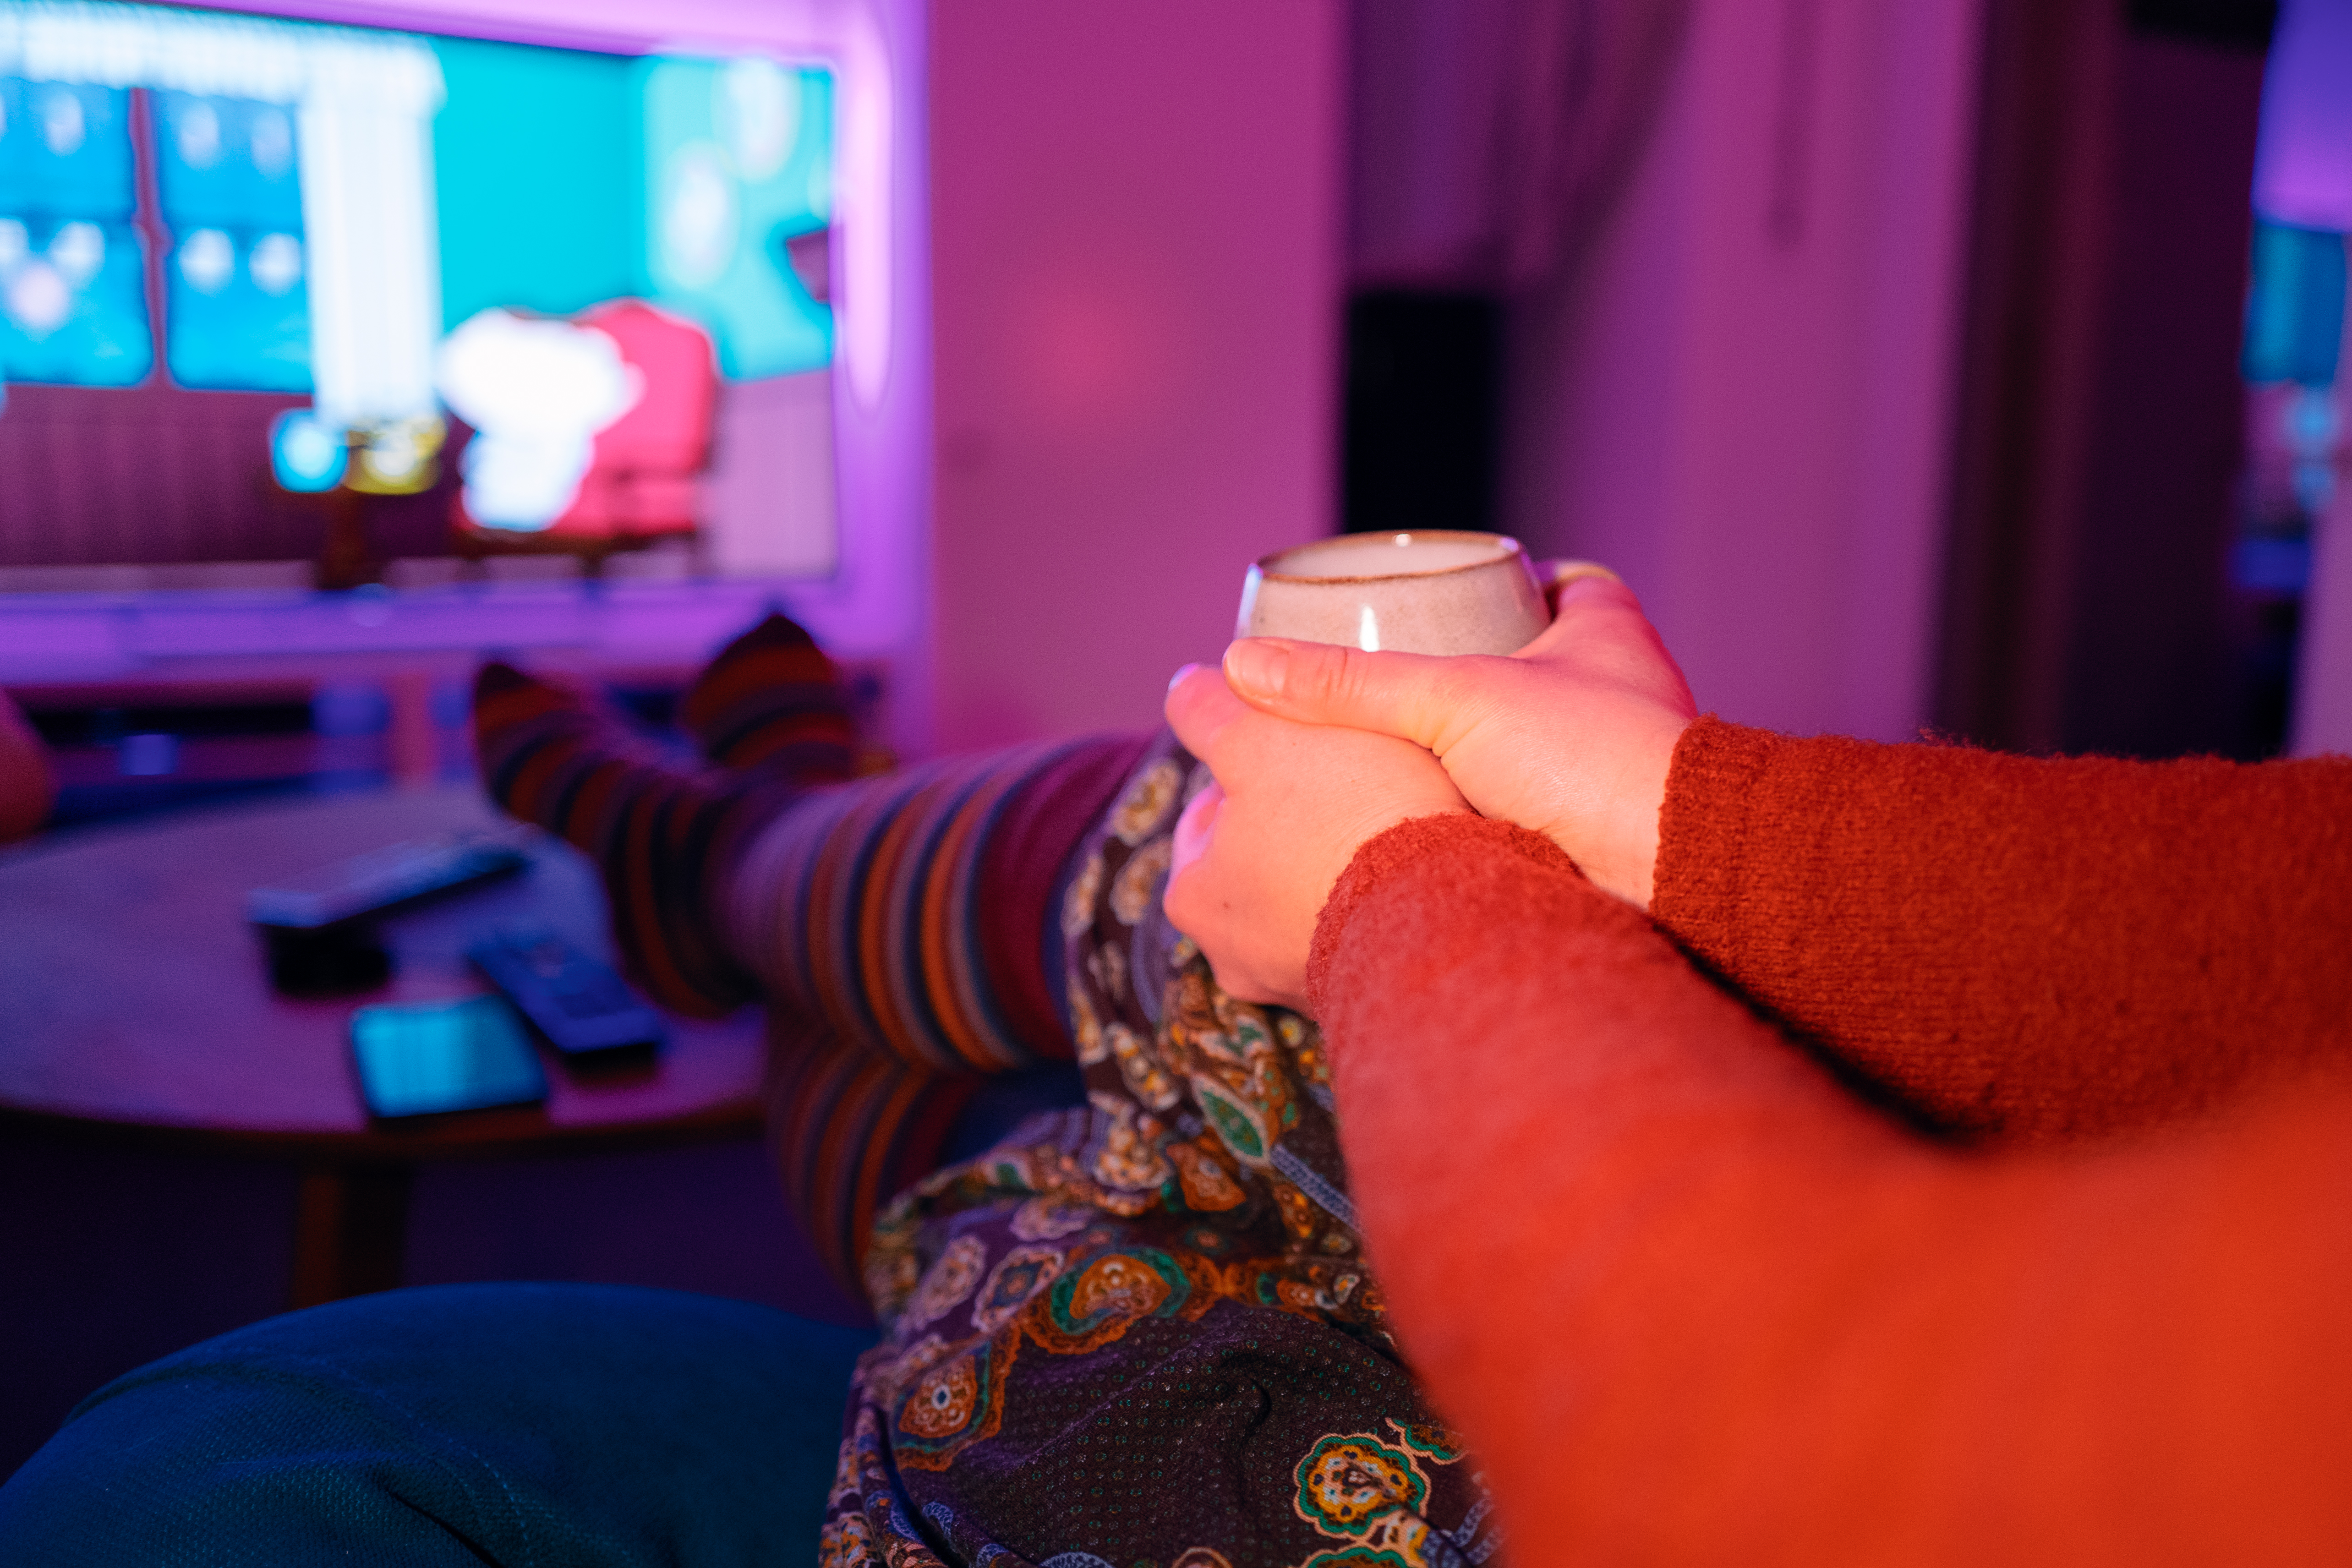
(2303, 165)
(2303, 174)
(1136, 272)
(1736, 386)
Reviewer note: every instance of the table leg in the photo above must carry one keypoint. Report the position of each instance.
(350, 1231)
(415, 739)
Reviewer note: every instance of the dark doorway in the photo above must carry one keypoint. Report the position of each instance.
(2089, 604)
(1422, 397)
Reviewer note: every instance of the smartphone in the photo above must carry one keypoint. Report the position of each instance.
(426, 1059)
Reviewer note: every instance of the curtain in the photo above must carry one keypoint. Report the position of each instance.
(1484, 132)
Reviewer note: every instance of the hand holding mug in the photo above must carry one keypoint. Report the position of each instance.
(1256, 853)
(1571, 737)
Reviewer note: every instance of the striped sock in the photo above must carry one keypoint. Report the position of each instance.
(849, 1130)
(658, 836)
(911, 915)
(906, 929)
(771, 699)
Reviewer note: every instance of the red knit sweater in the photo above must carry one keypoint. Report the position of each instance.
(1694, 1300)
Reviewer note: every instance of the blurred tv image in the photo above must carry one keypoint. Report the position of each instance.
(260, 280)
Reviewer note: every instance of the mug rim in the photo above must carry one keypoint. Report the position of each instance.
(1264, 564)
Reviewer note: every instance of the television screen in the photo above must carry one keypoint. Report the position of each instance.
(383, 305)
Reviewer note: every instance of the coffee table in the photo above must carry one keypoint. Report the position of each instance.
(135, 1003)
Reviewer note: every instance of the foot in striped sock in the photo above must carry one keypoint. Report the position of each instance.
(659, 835)
(773, 701)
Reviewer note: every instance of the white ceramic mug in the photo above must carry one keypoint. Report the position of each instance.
(1429, 592)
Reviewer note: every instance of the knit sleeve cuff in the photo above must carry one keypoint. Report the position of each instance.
(1703, 830)
(1455, 835)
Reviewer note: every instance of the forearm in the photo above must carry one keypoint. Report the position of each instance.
(912, 914)
(2018, 947)
(1692, 1303)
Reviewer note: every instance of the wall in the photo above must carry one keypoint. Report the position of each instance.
(2304, 173)
(1737, 388)
(2323, 693)
(1135, 265)
(2304, 176)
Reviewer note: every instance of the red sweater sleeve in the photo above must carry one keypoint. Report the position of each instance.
(1692, 1303)
(2020, 946)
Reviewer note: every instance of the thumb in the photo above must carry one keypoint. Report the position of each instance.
(1408, 695)
(1589, 604)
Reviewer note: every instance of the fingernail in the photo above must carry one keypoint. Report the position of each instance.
(1257, 665)
(1181, 671)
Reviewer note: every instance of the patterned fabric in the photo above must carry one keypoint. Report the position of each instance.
(1140, 1331)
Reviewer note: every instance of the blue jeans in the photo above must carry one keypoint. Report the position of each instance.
(548, 1424)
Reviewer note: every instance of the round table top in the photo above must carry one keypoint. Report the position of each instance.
(133, 994)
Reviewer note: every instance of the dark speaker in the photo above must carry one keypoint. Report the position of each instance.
(1422, 401)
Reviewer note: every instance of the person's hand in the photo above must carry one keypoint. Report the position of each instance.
(1571, 736)
(1257, 852)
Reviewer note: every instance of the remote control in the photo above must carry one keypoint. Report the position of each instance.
(585, 1011)
(380, 880)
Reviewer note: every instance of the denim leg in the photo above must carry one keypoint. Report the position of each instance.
(514, 1425)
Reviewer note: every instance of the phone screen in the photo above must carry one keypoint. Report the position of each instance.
(424, 1059)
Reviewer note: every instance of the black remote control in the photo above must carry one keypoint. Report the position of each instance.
(319, 927)
(382, 879)
(585, 1010)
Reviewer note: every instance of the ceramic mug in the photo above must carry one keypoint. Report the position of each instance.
(1428, 591)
